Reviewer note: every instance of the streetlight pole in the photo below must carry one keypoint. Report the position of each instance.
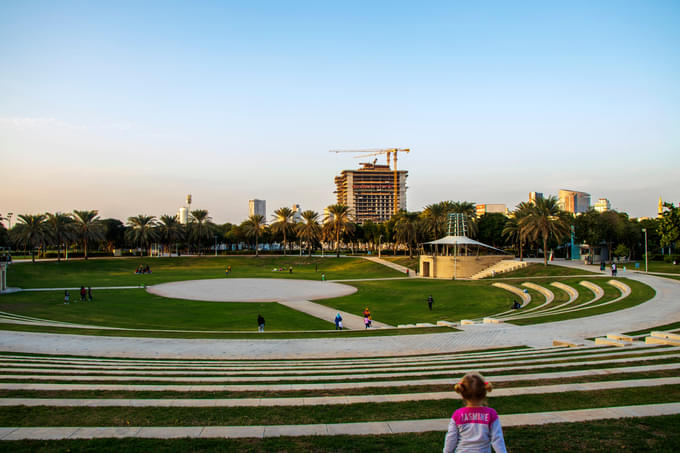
(379, 244)
(215, 245)
(644, 230)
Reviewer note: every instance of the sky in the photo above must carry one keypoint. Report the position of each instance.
(126, 107)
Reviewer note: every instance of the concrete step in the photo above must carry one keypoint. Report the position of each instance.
(446, 324)
(466, 322)
(657, 340)
(425, 324)
(662, 334)
(620, 337)
(566, 343)
(610, 342)
(491, 321)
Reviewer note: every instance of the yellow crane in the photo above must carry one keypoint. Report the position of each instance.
(376, 152)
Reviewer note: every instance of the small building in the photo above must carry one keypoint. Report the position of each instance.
(491, 208)
(602, 205)
(456, 257)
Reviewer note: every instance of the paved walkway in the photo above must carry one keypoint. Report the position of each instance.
(328, 400)
(349, 320)
(391, 265)
(362, 428)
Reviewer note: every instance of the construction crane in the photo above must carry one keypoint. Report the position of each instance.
(376, 152)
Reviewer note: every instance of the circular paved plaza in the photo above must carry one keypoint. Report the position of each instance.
(251, 290)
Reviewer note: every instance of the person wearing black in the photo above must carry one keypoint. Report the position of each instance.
(83, 293)
(260, 323)
(430, 301)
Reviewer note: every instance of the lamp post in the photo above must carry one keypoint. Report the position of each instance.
(644, 230)
(379, 244)
(215, 245)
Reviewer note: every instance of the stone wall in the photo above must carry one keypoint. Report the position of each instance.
(463, 267)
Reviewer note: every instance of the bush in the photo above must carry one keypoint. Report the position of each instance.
(671, 258)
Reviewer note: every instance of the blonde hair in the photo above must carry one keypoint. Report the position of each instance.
(473, 387)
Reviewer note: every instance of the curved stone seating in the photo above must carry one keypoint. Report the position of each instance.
(526, 297)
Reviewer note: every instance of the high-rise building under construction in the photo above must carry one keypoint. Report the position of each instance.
(369, 191)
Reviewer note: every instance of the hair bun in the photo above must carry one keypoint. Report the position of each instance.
(488, 387)
(458, 388)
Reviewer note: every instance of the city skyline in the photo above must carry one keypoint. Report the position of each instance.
(126, 108)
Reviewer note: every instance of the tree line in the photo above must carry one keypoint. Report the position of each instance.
(529, 229)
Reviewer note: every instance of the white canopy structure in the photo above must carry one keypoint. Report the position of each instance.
(447, 244)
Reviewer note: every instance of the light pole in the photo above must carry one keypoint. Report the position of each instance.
(215, 245)
(644, 230)
(379, 244)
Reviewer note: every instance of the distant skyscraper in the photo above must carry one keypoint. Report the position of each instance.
(573, 201)
(257, 207)
(492, 208)
(297, 213)
(533, 196)
(602, 205)
(183, 215)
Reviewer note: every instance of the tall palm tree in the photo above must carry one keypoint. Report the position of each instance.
(309, 229)
(283, 223)
(339, 221)
(406, 229)
(201, 226)
(170, 230)
(142, 230)
(515, 233)
(435, 218)
(88, 227)
(31, 231)
(60, 230)
(254, 227)
(545, 220)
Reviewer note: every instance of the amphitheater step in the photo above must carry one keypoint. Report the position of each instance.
(446, 324)
(620, 337)
(610, 342)
(662, 334)
(566, 343)
(492, 321)
(466, 322)
(657, 340)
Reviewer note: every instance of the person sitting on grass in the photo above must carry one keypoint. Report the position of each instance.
(475, 427)
(67, 297)
(140, 269)
(260, 323)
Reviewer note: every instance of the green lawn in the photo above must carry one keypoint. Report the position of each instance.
(539, 270)
(656, 266)
(411, 263)
(121, 271)
(137, 309)
(405, 301)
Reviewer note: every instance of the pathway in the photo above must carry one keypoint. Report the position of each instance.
(362, 428)
(391, 265)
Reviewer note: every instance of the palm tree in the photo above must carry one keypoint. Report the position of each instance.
(406, 229)
(60, 230)
(201, 226)
(142, 230)
(88, 227)
(31, 231)
(170, 230)
(513, 231)
(545, 220)
(254, 227)
(309, 228)
(283, 223)
(435, 218)
(339, 221)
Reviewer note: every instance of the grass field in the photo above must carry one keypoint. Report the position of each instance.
(121, 272)
(411, 263)
(405, 301)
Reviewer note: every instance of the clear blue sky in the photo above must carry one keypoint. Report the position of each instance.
(127, 106)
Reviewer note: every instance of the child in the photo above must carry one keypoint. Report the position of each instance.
(474, 428)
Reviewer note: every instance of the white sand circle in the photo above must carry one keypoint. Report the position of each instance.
(251, 290)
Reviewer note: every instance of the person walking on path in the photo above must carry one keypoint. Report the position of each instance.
(338, 322)
(613, 269)
(474, 427)
(260, 323)
(323, 277)
(89, 293)
(367, 322)
(83, 293)
(67, 297)
(430, 301)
